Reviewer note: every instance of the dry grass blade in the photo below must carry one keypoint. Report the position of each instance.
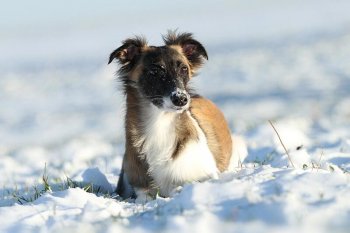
(285, 149)
(319, 161)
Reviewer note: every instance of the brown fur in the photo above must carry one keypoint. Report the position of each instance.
(212, 122)
(135, 73)
(193, 67)
(133, 164)
(185, 131)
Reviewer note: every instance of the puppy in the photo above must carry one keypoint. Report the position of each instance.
(173, 135)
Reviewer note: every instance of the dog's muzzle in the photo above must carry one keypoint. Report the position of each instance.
(179, 98)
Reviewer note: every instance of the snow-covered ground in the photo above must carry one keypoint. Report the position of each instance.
(61, 115)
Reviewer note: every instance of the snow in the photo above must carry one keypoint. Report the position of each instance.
(61, 116)
(251, 199)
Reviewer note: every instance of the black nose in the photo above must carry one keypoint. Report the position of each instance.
(179, 98)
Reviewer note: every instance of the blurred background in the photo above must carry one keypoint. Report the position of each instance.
(267, 60)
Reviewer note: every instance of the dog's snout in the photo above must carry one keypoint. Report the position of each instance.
(179, 98)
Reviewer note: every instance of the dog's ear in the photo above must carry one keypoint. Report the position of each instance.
(192, 49)
(129, 51)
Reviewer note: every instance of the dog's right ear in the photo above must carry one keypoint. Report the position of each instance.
(129, 51)
(192, 49)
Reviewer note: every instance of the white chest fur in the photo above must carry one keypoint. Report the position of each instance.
(194, 163)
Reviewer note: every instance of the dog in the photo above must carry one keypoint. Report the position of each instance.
(173, 135)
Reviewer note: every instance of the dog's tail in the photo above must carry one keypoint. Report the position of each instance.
(239, 152)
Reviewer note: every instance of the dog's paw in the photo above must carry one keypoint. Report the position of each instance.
(143, 196)
(175, 191)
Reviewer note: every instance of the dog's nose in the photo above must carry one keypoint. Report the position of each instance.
(179, 98)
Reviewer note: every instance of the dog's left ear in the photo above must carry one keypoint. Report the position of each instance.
(129, 51)
(192, 49)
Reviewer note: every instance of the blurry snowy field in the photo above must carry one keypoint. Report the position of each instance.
(61, 107)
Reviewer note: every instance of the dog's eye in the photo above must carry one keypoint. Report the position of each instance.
(157, 68)
(184, 70)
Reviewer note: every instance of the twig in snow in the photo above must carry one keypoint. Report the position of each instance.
(319, 161)
(285, 149)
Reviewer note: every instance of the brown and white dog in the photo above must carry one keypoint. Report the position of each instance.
(173, 136)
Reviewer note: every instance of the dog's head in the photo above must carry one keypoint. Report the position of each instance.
(161, 74)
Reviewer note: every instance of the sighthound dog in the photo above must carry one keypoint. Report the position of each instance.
(173, 136)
